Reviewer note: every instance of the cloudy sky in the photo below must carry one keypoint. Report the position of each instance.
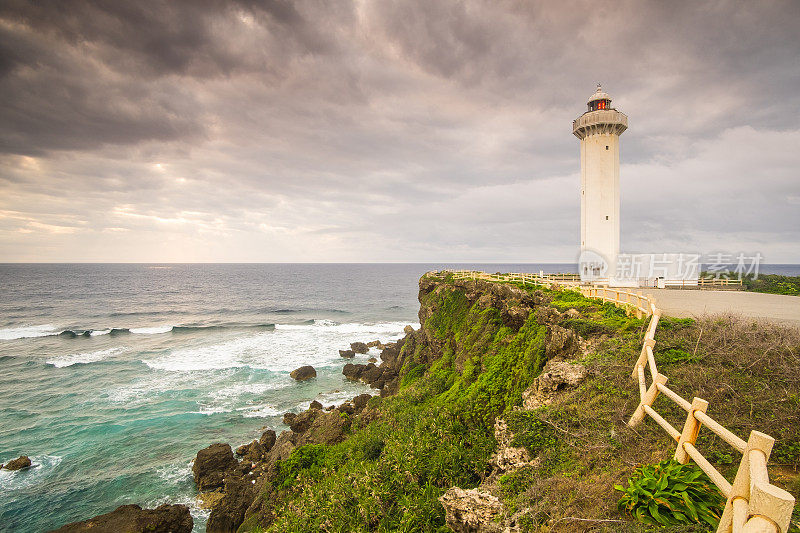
(390, 130)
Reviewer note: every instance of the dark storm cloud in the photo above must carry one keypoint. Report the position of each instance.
(402, 130)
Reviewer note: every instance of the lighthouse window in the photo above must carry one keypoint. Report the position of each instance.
(606, 217)
(606, 147)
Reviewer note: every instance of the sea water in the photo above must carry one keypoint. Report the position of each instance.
(112, 377)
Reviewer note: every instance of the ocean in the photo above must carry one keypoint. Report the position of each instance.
(113, 376)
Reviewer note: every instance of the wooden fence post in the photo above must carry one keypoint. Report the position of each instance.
(642, 361)
(751, 485)
(690, 429)
(648, 400)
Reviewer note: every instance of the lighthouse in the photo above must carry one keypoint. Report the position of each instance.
(599, 129)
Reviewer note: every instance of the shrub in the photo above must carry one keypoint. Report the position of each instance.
(669, 493)
(372, 448)
(307, 459)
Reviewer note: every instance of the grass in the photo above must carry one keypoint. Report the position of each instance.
(437, 431)
(768, 283)
(773, 284)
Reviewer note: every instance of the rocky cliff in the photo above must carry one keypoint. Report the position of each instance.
(505, 411)
(480, 346)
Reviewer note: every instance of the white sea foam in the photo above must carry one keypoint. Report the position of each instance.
(176, 473)
(152, 330)
(41, 467)
(28, 332)
(96, 333)
(199, 514)
(238, 390)
(85, 357)
(281, 350)
(259, 411)
(337, 397)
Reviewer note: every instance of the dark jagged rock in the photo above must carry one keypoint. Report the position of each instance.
(303, 373)
(375, 344)
(228, 514)
(315, 405)
(347, 407)
(408, 330)
(211, 465)
(387, 376)
(23, 461)
(267, 440)
(360, 401)
(255, 452)
(327, 428)
(371, 373)
(241, 450)
(134, 519)
(390, 353)
(353, 371)
(359, 347)
(372, 360)
(347, 354)
(299, 423)
(390, 387)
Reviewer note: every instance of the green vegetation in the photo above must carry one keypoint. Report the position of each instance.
(467, 367)
(773, 284)
(768, 283)
(669, 493)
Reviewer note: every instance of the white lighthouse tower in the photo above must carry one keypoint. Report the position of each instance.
(599, 129)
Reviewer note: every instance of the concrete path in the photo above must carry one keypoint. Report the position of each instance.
(692, 303)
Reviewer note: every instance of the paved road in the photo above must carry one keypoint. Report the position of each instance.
(688, 303)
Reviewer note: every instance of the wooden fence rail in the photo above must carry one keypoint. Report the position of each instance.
(753, 504)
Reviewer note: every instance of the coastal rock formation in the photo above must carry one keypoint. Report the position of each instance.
(235, 485)
(228, 513)
(471, 510)
(19, 463)
(360, 401)
(561, 342)
(507, 458)
(555, 376)
(211, 465)
(134, 519)
(515, 316)
(375, 344)
(252, 452)
(246, 494)
(267, 439)
(359, 347)
(353, 371)
(383, 377)
(303, 373)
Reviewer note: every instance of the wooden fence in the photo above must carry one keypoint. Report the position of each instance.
(753, 504)
(721, 283)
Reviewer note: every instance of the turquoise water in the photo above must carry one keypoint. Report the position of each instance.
(160, 361)
(163, 362)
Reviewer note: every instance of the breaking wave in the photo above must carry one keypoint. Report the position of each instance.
(47, 330)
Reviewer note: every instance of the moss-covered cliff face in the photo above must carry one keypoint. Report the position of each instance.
(480, 345)
(477, 355)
